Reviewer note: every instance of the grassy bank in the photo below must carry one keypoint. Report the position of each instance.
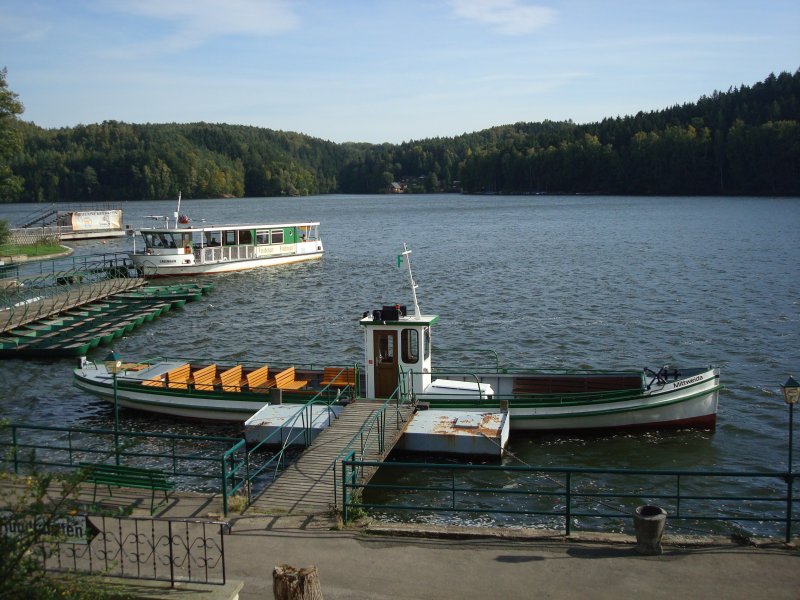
(30, 250)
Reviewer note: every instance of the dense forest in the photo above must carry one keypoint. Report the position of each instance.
(743, 141)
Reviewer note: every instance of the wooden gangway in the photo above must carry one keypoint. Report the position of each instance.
(309, 485)
(31, 311)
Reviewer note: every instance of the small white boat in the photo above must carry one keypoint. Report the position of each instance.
(181, 249)
(397, 361)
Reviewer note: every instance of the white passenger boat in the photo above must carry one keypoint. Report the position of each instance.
(181, 249)
(398, 362)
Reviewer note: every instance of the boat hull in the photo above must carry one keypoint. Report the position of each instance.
(149, 267)
(687, 402)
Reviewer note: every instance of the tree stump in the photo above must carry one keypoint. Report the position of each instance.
(289, 583)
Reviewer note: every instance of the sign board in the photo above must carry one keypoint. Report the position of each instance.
(74, 529)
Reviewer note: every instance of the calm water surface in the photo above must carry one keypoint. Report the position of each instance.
(604, 282)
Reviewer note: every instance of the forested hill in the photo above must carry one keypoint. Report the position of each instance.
(743, 141)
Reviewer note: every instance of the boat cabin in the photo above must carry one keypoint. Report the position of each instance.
(397, 351)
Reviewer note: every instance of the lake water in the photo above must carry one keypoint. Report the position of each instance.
(561, 281)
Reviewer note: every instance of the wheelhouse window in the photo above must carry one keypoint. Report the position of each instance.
(277, 236)
(262, 237)
(160, 239)
(426, 342)
(212, 238)
(409, 339)
(229, 237)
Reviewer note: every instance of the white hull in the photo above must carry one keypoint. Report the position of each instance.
(687, 402)
(147, 264)
(175, 404)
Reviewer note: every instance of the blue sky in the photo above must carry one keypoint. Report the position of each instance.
(383, 70)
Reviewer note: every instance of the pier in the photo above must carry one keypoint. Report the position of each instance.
(309, 485)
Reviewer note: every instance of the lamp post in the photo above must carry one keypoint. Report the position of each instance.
(113, 365)
(791, 394)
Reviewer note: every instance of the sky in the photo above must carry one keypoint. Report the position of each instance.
(383, 70)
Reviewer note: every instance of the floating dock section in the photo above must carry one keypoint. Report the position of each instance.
(436, 432)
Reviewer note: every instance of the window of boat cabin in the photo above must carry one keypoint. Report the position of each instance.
(409, 340)
(262, 237)
(426, 339)
(277, 236)
(229, 237)
(212, 238)
(159, 240)
(246, 236)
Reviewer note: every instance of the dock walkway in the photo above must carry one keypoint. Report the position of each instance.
(72, 298)
(308, 485)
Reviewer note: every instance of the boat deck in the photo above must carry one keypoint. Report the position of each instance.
(308, 485)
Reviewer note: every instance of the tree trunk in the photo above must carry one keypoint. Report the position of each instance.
(289, 583)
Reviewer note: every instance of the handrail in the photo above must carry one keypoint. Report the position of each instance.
(557, 498)
(305, 413)
(76, 444)
(378, 417)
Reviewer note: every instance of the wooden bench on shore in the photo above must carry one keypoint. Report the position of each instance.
(130, 477)
(285, 380)
(339, 377)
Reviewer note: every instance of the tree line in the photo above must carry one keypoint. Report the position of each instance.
(743, 141)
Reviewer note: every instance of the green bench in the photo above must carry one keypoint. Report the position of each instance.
(131, 477)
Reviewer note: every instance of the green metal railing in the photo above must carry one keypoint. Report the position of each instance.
(373, 432)
(210, 463)
(574, 497)
(286, 435)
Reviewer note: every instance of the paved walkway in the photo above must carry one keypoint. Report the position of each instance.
(395, 562)
(376, 561)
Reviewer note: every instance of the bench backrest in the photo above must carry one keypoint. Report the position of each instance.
(122, 474)
(258, 377)
(284, 377)
(204, 378)
(179, 377)
(231, 379)
(338, 376)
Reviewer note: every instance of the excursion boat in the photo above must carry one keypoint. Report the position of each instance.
(398, 363)
(185, 250)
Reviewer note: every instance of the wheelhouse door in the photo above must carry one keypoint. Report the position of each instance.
(385, 360)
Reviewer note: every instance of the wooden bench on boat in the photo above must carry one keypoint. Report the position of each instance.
(176, 378)
(125, 476)
(338, 377)
(203, 379)
(573, 384)
(285, 380)
(231, 379)
(179, 378)
(258, 379)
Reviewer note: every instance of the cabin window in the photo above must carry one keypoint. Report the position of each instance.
(212, 238)
(277, 236)
(246, 236)
(426, 339)
(229, 238)
(262, 237)
(409, 340)
(159, 240)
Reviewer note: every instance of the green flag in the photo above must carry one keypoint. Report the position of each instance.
(399, 260)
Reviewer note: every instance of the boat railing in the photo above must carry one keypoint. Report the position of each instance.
(494, 354)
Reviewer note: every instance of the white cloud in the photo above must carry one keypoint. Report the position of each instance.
(512, 17)
(199, 20)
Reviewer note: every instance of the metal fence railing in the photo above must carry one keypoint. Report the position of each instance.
(573, 498)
